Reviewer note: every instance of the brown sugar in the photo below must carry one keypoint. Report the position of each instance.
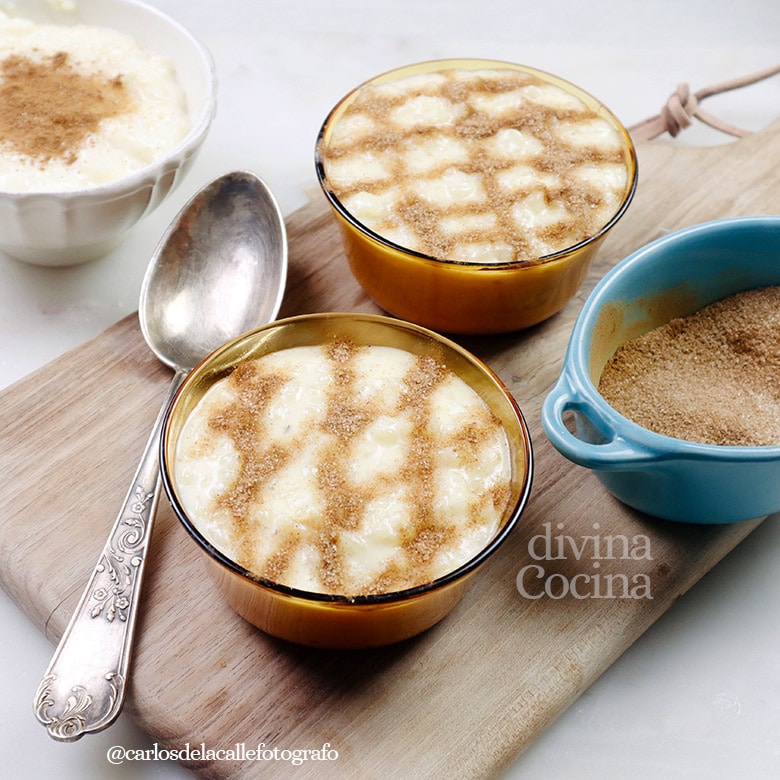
(712, 377)
(48, 109)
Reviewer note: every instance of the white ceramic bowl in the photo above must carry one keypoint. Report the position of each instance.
(70, 227)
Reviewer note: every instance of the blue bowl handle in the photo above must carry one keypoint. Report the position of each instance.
(612, 452)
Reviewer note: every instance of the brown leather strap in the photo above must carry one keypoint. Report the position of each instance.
(683, 106)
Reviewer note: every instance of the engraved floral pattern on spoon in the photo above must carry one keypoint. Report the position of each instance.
(69, 725)
(120, 561)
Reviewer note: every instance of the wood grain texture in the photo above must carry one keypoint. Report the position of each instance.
(460, 701)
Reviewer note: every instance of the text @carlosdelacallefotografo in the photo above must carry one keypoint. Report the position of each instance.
(585, 566)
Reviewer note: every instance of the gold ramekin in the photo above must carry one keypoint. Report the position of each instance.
(330, 621)
(458, 297)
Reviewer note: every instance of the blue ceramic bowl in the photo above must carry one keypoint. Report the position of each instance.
(663, 476)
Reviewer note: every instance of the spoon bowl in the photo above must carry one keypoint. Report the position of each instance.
(219, 270)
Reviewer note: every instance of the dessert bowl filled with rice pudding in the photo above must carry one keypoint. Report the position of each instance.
(472, 194)
(345, 475)
(105, 104)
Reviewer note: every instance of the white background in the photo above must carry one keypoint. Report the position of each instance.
(699, 695)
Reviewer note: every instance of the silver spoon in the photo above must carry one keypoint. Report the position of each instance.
(219, 270)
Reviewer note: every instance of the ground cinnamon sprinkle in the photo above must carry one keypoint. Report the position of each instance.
(712, 377)
(48, 108)
(332, 532)
(555, 177)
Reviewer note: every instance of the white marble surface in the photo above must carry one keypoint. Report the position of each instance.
(699, 695)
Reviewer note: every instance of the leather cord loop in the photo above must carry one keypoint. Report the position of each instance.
(683, 107)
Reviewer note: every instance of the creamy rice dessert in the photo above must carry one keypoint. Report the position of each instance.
(477, 166)
(81, 105)
(344, 469)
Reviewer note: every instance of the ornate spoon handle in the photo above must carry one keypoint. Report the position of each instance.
(84, 686)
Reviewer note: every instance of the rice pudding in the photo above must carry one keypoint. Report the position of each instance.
(483, 166)
(81, 106)
(344, 469)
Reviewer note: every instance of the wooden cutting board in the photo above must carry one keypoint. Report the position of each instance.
(460, 701)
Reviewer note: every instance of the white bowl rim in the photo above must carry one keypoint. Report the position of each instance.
(173, 157)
